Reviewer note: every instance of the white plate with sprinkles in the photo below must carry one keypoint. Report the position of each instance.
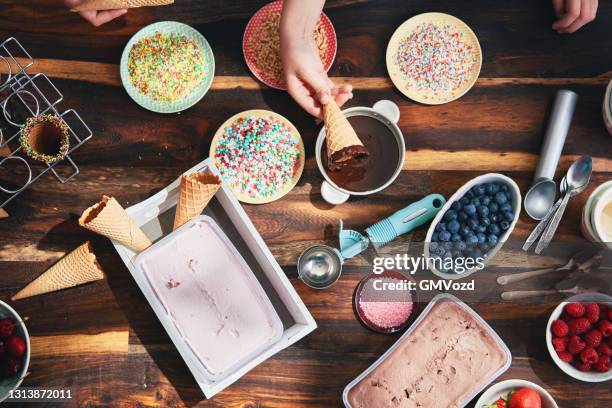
(434, 58)
(167, 67)
(260, 155)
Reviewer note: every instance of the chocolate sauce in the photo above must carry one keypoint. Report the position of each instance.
(374, 170)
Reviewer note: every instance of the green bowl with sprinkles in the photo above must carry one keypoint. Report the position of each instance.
(185, 77)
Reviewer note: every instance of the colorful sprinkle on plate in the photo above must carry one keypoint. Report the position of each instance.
(434, 58)
(260, 154)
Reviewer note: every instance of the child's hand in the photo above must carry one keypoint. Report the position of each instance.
(573, 14)
(96, 18)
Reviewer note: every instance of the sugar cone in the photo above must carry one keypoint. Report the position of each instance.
(339, 134)
(197, 189)
(76, 268)
(89, 5)
(3, 214)
(108, 218)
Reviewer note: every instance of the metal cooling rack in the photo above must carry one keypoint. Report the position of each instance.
(21, 96)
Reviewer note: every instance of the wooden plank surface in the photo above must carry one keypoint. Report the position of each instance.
(104, 342)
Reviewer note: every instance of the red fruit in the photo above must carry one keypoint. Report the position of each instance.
(603, 364)
(579, 325)
(15, 346)
(2, 352)
(559, 328)
(7, 327)
(602, 350)
(525, 398)
(589, 355)
(593, 338)
(560, 343)
(11, 367)
(610, 313)
(575, 345)
(605, 327)
(501, 403)
(565, 356)
(575, 309)
(565, 317)
(591, 312)
(583, 366)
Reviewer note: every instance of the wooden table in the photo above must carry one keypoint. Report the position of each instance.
(103, 340)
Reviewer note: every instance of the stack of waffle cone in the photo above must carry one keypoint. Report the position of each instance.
(89, 5)
(108, 218)
(197, 189)
(76, 268)
(339, 134)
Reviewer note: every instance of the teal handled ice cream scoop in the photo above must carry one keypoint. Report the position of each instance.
(320, 266)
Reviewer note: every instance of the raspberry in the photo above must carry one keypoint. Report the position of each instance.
(575, 345)
(559, 328)
(604, 350)
(579, 326)
(565, 317)
(589, 355)
(560, 343)
(593, 338)
(605, 327)
(591, 312)
(583, 366)
(7, 327)
(565, 356)
(575, 309)
(603, 364)
(610, 314)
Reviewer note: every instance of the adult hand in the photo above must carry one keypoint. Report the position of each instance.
(96, 18)
(573, 14)
(307, 81)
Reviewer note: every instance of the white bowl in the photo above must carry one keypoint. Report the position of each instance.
(9, 384)
(516, 208)
(567, 368)
(504, 387)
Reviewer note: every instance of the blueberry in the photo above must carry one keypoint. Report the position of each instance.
(470, 209)
(434, 237)
(481, 228)
(457, 254)
(477, 253)
(495, 218)
(484, 247)
(481, 238)
(463, 216)
(464, 201)
(472, 239)
(493, 207)
(501, 198)
(455, 238)
(444, 236)
(450, 215)
(440, 251)
(469, 194)
(485, 222)
(475, 201)
(492, 240)
(466, 231)
(491, 189)
(440, 227)
(479, 190)
(485, 200)
(483, 211)
(447, 246)
(456, 206)
(472, 223)
(494, 229)
(461, 245)
(504, 188)
(506, 207)
(509, 216)
(447, 255)
(453, 226)
(504, 225)
(433, 246)
(468, 251)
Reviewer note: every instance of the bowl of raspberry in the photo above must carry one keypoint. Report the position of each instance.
(579, 337)
(14, 350)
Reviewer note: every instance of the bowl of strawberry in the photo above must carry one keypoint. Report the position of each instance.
(579, 337)
(14, 350)
(516, 394)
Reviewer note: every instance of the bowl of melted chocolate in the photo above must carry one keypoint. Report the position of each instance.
(377, 129)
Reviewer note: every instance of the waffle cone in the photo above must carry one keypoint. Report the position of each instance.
(89, 5)
(197, 189)
(3, 214)
(108, 218)
(339, 134)
(76, 268)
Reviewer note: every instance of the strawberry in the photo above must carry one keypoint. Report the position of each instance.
(579, 326)
(593, 338)
(15, 346)
(565, 356)
(591, 312)
(559, 328)
(603, 364)
(7, 327)
(500, 403)
(586, 367)
(602, 350)
(575, 345)
(605, 327)
(560, 343)
(589, 355)
(525, 398)
(575, 309)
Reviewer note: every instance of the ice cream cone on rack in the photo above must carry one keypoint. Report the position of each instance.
(108, 218)
(197, 189)
(89, 5)
(342, 141)
(76, 268)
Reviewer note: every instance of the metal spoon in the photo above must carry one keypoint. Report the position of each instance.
(584, 286)
(537, 231)
(577, 178)
(539, 199)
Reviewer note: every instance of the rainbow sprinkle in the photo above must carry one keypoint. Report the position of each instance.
(257, 156)
(436, 59)
(166, 66)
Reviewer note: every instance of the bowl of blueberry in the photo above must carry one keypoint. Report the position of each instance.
(14, 350)
(473, 225)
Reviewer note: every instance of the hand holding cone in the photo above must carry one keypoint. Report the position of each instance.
(197, 189)
(89, 5)
(76, 268)
(108, 218)
(342, 141)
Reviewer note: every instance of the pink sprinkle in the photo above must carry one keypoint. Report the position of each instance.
(387, 315)
(171, 284)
